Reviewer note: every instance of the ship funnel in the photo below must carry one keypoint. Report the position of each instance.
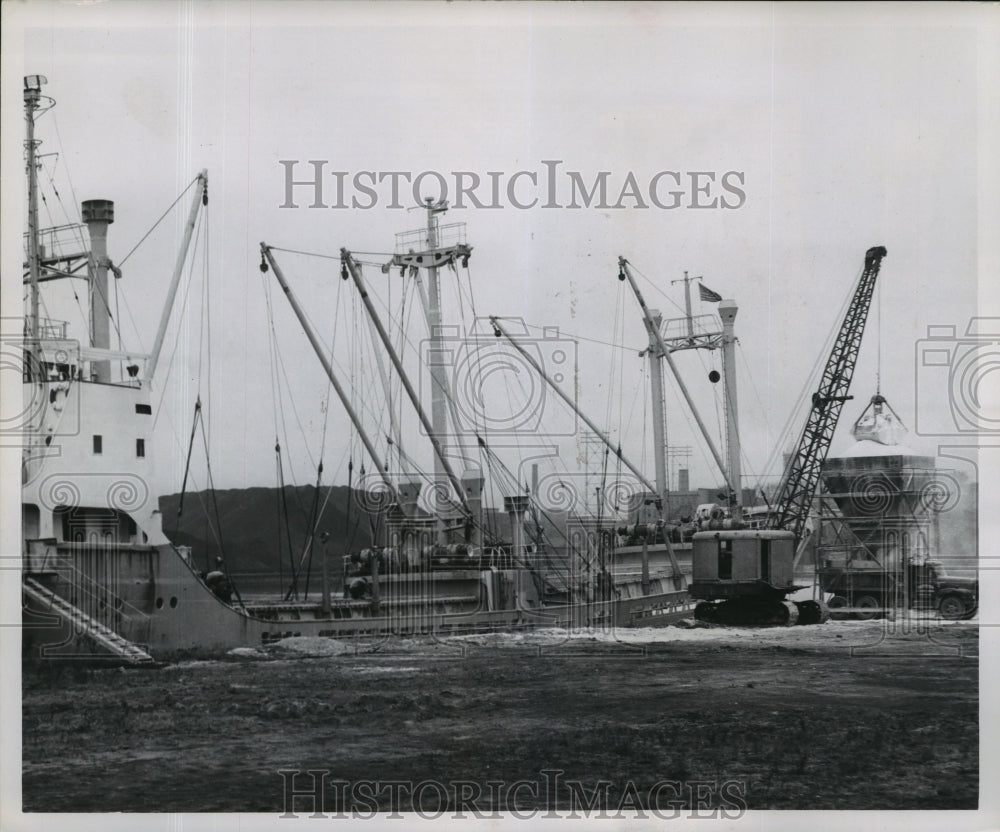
(409, 493)
(516, 506)
(98, 214)
(473, 482)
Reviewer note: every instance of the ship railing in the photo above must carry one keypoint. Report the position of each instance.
(394, 563)
(61, 243)
(82, 590)
(448, 235)
(699, 328)
(50, 329)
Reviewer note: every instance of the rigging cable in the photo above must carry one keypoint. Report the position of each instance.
(277, 506)
(69, 177)
(811, 381)
(878, 339)
(187, 465)
(215, 506)
(293, 589)
(155, 224)
(308, 553)
(282, 502)
(177, 340)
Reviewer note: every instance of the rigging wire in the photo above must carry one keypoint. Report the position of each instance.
(357, 371)
(878, 338)
(325, 407)
(215, 507)
(69, 178)
(644, 385)
(177, 339)
(756, 478)
(293, 589)
(155, 224)
(200, 419)
(656, 288)
(578, 337)
(281, 503)
(364, 406)
(806, 389)
(277, 526)
(77, 232)
(392, 317)
(397, 319)
(117, 312)
(640, 389)
(206, 259)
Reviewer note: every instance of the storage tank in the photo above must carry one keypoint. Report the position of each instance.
(888, 493)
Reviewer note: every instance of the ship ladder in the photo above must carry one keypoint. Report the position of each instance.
(107, 638)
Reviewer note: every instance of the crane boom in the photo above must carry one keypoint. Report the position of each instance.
(801, 476)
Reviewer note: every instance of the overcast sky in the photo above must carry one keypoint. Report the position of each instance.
(841, 128)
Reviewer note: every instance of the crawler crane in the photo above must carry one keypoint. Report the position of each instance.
(744, 576)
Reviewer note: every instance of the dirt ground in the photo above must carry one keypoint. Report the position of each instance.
(846, 715)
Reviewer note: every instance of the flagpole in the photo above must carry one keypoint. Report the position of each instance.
(687, 304)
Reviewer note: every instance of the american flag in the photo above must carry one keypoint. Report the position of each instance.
(708, 295)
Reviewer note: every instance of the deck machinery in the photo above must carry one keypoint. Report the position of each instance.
(744, 576)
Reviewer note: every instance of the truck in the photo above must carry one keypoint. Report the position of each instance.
(863, 588)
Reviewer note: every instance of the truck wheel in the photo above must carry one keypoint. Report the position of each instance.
(952, 607)
(868, 607)
(836, 603)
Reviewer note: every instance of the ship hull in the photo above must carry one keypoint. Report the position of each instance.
(150, 597)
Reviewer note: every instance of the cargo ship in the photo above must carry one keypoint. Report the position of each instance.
(101, 581)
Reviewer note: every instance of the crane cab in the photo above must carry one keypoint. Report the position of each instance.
(739, 562)
(743, 576)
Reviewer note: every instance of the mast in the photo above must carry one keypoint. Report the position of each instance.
(625, 273)
(265, 251)
(659, 422)
(425, 248)
(687, 303)
(32, 102)
(352, 269)
(439, 376)
(200, 198)
(727, 312)
(442, 402)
